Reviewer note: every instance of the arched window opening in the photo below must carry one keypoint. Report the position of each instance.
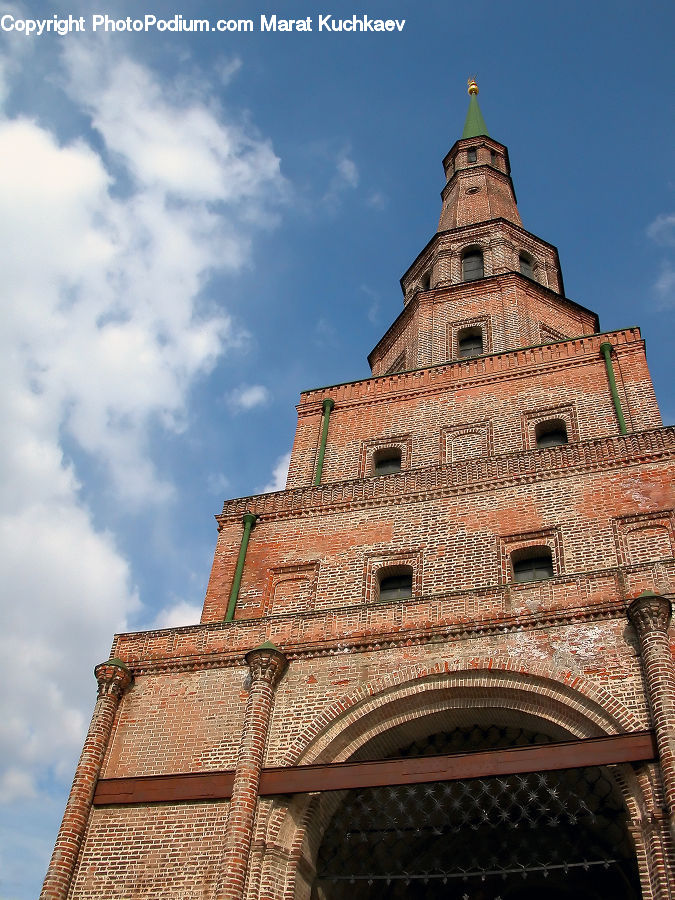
(471, 155)
(387, 462)
(526, 265)
(560, 834)
(425, 284)
(470, 342)
(550, 434)
(396, 584)
(472, 265)
(532, 564)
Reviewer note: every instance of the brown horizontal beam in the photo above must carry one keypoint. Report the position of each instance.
(637, 746)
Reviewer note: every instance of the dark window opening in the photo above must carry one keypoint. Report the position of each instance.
(471, 155)
(470, 342)
(493, 157)
(562, 834)
(551, 434)
(472, 265)
(426, 282)
(398, 586)
(535, 564)
(526, 266)
(387, 462)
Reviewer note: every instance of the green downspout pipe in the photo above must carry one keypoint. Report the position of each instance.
(328, 405)
(606, 350)
(249, 521)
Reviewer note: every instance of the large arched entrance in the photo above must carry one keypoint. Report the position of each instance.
(517, 837)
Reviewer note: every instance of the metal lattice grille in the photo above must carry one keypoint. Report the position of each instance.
(483, 838)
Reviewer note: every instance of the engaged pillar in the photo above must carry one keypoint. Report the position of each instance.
(267, 665)
(113, 679)
(650, 616)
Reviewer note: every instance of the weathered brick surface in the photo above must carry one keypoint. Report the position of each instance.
(181, 722)
(477, 191)
(484, 389)
(165, 850)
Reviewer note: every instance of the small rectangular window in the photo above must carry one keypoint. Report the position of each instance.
(396, 587)
(471, 155)
(470, 342)
(387, 462)
(535, 566)
(493, 157)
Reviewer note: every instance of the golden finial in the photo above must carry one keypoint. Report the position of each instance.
(473, 87)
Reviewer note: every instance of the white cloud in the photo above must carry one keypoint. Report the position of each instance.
(248, 396)
(106, 247)
(345, 177)
(377, 200)
(374, 306)
(347, 170)
(662, 229)
(665, 285)
(181, 613)
(279, 474)
(662, 232)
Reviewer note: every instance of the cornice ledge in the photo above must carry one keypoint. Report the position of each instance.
(436, 482)
(389, 640)
(495, 366)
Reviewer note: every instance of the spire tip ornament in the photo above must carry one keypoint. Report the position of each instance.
(472, 87)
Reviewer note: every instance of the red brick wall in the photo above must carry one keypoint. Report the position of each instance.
(500, 390)
(165, 850)
(456, 534)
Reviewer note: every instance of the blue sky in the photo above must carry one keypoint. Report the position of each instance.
(195, 227)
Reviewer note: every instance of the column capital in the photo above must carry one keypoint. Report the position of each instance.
(113, 677)
(267, 663)
(649, 612)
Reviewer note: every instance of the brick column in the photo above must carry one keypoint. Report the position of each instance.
(267, 665)
(650, 616)
(113, 679)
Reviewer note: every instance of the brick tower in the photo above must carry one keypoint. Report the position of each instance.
(437, 664)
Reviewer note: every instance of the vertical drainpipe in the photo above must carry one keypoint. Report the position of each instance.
(327, 405)
(249, 521)
(606, 350)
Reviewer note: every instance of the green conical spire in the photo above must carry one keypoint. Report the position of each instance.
(475, 123)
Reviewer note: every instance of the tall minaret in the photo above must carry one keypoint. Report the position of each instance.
(478, 175)
(482, 275)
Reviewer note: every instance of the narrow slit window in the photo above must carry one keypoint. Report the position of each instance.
(387, 462)
(526, 266)
(535, 565)
(472, 265)
(551, 434)
(397, 586)
(471, 155)
(470, 342)
(494, 159)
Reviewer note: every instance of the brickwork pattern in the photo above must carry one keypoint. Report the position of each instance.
(501, 243)
(154, 851)
(267, 667)
(651, 616)
(476, 389)
(458, 552)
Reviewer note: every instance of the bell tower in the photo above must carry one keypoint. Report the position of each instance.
(438, 664)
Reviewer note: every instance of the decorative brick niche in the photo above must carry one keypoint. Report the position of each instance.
(393, 563)
(369, 449)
